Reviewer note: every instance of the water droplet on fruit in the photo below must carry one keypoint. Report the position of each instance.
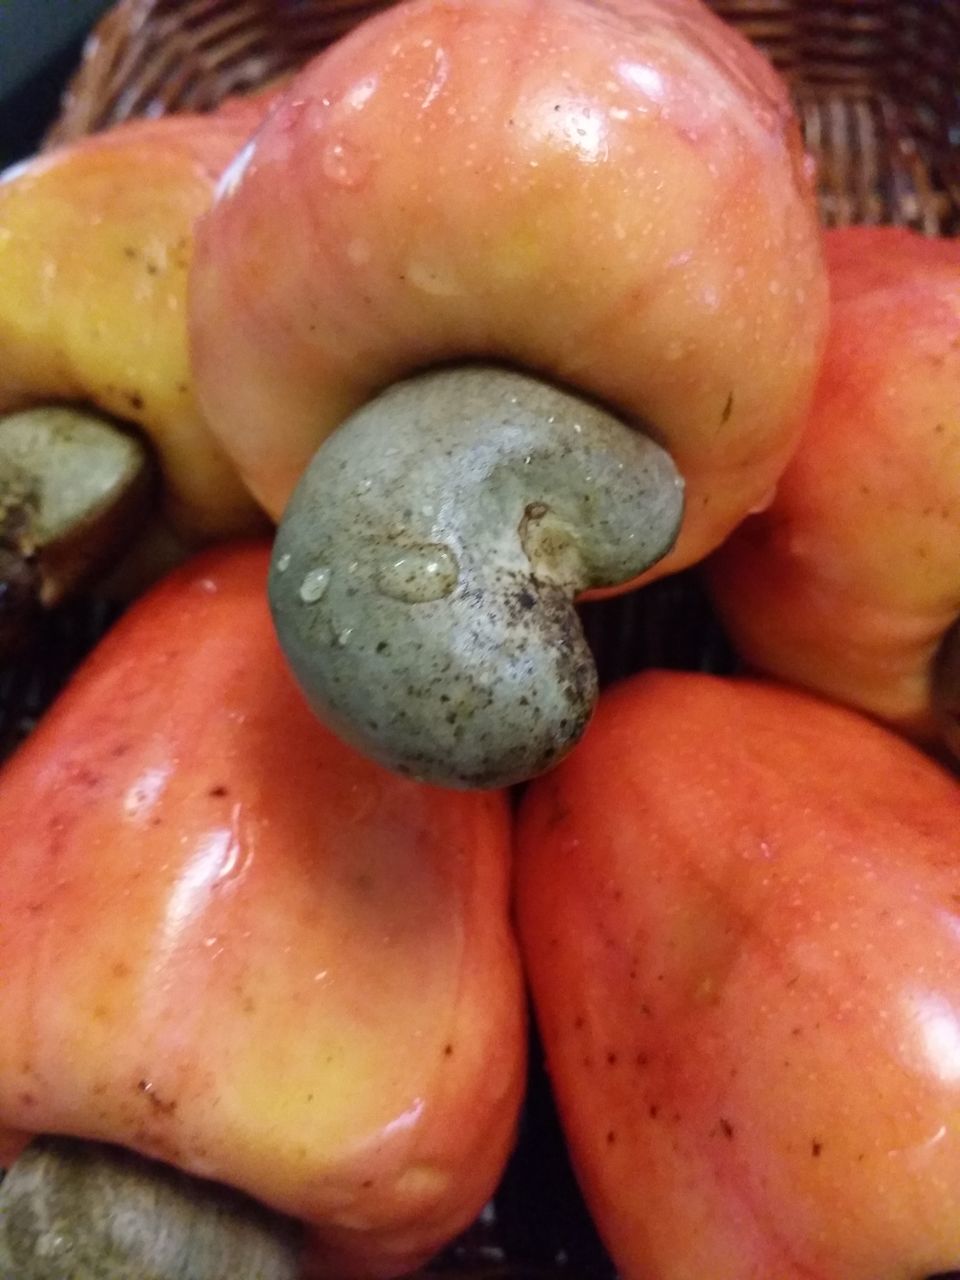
(359, 94)
(433, 278)
(344, 164)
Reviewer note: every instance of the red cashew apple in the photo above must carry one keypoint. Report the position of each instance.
(612, 200)
(850, 581)
(230, 944)
(740, 911)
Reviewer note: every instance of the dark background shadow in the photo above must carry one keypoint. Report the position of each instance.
(40, 46)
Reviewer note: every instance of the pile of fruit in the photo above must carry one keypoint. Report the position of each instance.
(353, 392)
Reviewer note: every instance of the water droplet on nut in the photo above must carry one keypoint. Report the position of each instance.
(314, 585)
(419, 574)
(283, 563)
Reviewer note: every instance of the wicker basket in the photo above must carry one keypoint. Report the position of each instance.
(878, 93)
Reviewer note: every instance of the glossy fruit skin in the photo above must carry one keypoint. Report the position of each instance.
(612, 194)
(739, 908)
(229, 942)
(849, 581)
(95, 247)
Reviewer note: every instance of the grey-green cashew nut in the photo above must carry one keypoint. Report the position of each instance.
(424, 572)
(73, 486)
(75, 1210)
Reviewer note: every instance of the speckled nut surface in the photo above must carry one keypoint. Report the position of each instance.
(424, 571)
(73, 1210)
(72, 486)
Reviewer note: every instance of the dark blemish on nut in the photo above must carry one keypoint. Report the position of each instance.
(135, 400)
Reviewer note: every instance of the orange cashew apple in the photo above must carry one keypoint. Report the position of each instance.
(231, 945)
(739, 908)
(470, 235)
(849, 583)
